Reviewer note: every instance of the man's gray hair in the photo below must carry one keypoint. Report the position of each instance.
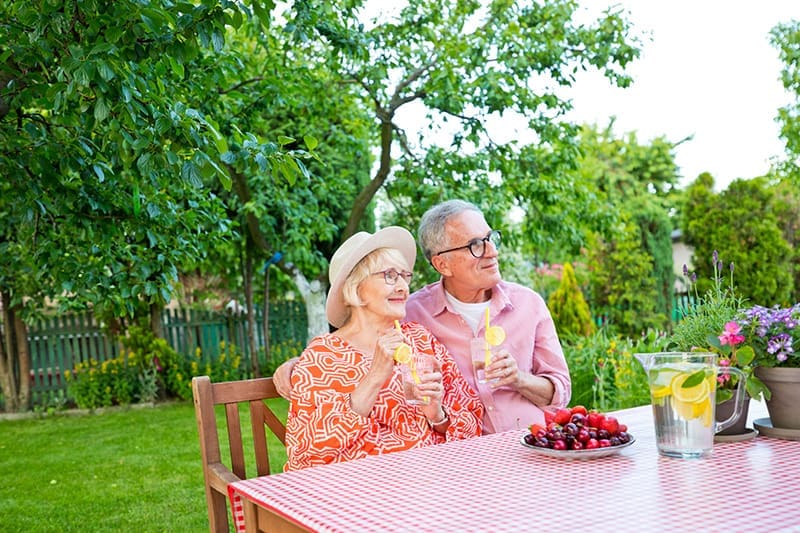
(430, 234)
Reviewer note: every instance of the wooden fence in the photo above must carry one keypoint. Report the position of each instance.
(59, 343)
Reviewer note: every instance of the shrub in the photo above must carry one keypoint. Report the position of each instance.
(569, 308)
(94, 384)
(226, 365)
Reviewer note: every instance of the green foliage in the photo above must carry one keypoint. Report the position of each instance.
(93, 384)
(655, 229)
(623, 289)
(740, 223)
(569, 308)
(604, 373)
(226, 365)
(786, 38)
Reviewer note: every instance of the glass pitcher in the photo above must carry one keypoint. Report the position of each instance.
(683, 391)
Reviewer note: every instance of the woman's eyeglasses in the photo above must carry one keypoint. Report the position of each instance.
(390, 276)
(477, 247)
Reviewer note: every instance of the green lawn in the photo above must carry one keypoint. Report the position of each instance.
(131, 469)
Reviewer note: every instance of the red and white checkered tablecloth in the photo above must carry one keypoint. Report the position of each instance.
(494, 483)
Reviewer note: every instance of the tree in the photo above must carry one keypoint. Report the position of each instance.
(467, 64)
(786, 38)
(638, 183)
(741, 226)
(103, 161)
(569, 308)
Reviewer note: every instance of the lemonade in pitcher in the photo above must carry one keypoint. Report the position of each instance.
(683, 406)
(683, 388)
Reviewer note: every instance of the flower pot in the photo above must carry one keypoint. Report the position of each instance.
(784, 405)
(725, 409)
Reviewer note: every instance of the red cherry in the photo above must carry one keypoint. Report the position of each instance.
(591, 444)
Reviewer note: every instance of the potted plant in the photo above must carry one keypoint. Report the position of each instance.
(709, 326)
(773, 334)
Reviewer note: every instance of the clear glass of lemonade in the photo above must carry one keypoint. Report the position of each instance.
(683, 392)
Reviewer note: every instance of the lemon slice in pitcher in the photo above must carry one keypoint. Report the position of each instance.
(691, 395)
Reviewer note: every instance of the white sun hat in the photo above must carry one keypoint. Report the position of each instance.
(354, 250)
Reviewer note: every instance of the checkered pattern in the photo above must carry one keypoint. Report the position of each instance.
(494, 483)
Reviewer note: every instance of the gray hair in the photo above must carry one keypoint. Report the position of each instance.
(430, 234)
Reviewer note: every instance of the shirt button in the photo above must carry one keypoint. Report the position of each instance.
(490, 408)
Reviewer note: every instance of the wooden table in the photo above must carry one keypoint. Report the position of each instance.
(494, 483)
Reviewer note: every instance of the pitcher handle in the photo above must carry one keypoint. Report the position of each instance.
(738, 399)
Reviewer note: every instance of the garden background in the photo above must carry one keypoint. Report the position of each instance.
(185, 156)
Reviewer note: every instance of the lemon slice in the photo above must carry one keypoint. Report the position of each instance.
(691, 395)
(495, 335)
(402, 354)
(660, 391)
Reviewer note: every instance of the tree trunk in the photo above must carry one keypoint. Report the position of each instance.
(251, 316)
(265, 315)
(24, 358)
(156, 325)
(15, 361)
(313, 294)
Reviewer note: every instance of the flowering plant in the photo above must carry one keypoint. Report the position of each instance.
(773, 334)
(709, 326)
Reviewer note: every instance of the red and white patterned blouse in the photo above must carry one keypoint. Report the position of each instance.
(322, 428)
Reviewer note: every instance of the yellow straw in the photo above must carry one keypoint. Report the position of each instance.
(397, 326)
(488, 355)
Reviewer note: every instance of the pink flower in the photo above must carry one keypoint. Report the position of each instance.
(731, 334)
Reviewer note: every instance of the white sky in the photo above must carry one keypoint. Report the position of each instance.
(708, 71)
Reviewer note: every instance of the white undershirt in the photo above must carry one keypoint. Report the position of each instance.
(473, 314)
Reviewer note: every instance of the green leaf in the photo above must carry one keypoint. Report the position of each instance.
(311, 142)
(177, 67)
(136, 200)
(694, 380)
(98, 171)
(284, 140)
(745, 355)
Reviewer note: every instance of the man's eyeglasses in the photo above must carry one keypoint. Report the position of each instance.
(390, 276)
(477, 247)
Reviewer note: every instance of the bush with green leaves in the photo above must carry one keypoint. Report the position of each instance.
(92, 384)
(569, 308)
(225, 365)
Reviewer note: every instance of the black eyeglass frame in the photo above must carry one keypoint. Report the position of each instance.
(390, 276)
(495, 237)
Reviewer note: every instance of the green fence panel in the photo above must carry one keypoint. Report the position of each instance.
(59, 343)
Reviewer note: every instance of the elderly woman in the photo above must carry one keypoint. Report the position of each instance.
(347, 390)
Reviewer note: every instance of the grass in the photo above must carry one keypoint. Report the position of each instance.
(127, 469)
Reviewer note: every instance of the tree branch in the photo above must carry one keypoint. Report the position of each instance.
(240, 84)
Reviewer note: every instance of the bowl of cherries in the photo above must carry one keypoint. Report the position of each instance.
(577, 433)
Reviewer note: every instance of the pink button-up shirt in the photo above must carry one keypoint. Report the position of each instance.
(531, 339)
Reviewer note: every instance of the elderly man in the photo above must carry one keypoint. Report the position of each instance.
(529, 371)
